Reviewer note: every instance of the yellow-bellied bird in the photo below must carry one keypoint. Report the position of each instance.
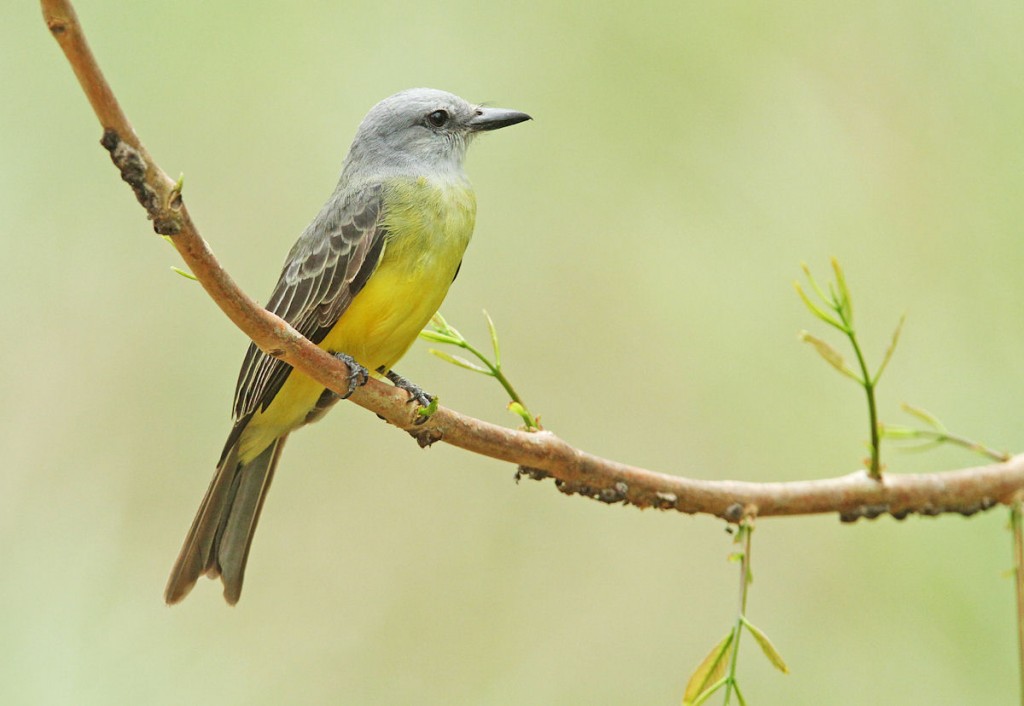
(361, 281)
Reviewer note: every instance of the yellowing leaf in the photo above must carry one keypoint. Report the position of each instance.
(830, 354)
(709, 673)
(459, 361)
(767, 647)
(494, 339)
(892, 347)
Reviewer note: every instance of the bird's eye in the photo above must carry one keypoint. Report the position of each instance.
(438, 118)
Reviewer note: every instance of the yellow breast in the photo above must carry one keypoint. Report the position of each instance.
(429, 224)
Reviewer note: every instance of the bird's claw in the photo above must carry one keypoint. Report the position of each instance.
(416, 393)
(357, 374)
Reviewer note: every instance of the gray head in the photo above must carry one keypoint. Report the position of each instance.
(421, 130)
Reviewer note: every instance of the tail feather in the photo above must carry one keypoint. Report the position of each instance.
(220, 537)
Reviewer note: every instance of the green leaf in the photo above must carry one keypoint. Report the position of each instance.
(891, 349)
(429, 410)
(897, 431)
(518, 409)
(925, 416)
(814, 283)
(816, 310)
(842, 299)
(441, 326)
(831, 355)
(494, 339)
(438, 322)
(439, 337)
(710, 673)
(459, 361)
(767, 647)
(183, 273)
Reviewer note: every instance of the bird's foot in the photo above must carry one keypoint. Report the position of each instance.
(416, 393)
(357, 374)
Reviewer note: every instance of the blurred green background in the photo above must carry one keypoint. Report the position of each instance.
(636, 245)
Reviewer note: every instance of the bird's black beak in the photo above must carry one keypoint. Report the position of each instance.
(494, 118)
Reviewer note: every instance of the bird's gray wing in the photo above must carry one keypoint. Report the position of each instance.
(325, 269)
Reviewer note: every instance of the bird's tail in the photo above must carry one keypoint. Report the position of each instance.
(219, 540)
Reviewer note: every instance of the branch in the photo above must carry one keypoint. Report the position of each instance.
(538, 454)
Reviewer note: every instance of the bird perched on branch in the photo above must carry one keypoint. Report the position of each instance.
(361, 282)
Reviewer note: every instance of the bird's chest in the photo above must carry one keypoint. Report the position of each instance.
(428, 229)
(429, 225)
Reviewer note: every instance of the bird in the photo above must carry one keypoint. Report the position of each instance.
(362, 280)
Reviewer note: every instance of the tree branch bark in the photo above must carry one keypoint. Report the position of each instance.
(538, 454)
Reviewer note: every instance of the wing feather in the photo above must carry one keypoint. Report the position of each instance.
(325, 269)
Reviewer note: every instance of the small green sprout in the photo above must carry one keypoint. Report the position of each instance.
(836, 310)
(442, 332)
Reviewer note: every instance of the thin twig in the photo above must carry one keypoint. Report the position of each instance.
(539, 454)
(747, 529)
(1016, 519)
